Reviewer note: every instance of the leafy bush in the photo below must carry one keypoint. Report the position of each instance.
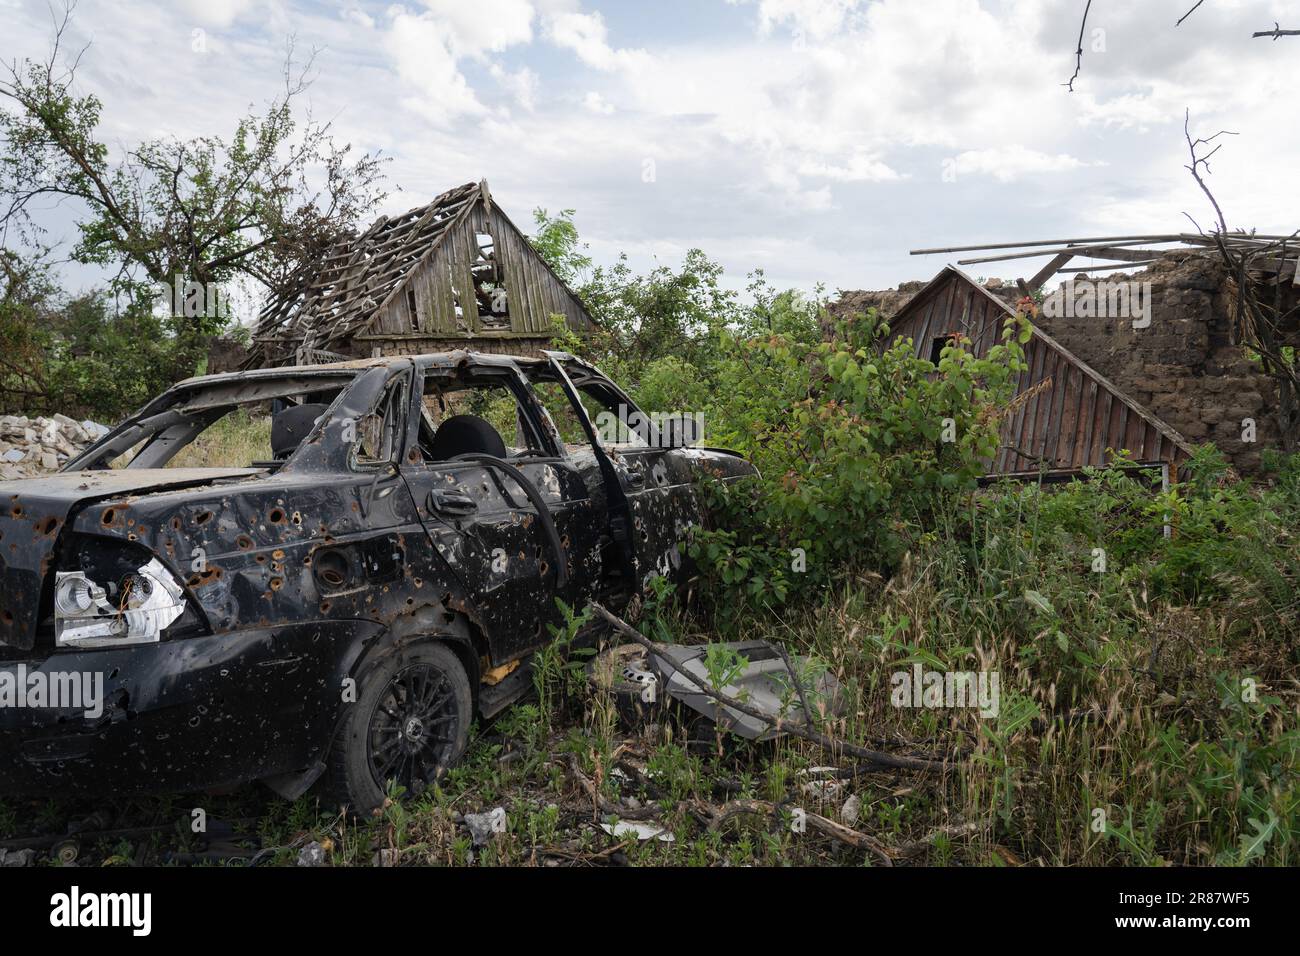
(88, 355)
(858, 441)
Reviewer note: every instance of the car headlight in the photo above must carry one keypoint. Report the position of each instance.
(144, 605)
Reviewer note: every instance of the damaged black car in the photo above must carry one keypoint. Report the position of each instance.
(339, 609)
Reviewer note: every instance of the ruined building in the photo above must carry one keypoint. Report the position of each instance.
(455, 273)
(1156, 384)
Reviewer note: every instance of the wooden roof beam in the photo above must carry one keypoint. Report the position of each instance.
(1096, 240)
(1046, 272)
(1098, 252)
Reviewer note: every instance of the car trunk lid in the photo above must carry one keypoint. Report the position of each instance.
(33, 513)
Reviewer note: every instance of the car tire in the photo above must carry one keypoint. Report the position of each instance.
(410, 723)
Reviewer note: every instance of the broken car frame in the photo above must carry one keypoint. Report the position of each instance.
(341, 611)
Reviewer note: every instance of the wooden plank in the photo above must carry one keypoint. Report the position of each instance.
(1101, 430)
(990, 328)
(977, 328)
(1129, 266)
(444, 305)
(465, 250)
(1043, 412)
(1090, 240)
(1108, 251)
(965, 317)
(918, 332)
(1063, 451)
(419, 281)
(1033, 368)
(542, 287)
(1047, 271)
(934, 313)
(1056, 415)
(1135, 435)
(1027, 435)
(525, 292)
(909, 318)
(1006, 458)
(1087, 422)
(1120, 441)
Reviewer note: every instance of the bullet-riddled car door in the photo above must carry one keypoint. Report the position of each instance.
(655, 480)
(480, 517)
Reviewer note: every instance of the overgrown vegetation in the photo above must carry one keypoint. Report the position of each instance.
(173, 224)
(1146, 640)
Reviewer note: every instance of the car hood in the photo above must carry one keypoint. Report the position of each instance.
(33, 512)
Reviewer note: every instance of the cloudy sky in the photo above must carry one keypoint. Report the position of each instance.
(817, 139)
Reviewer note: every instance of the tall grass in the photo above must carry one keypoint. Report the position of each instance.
(1148, 711)
(235, 441)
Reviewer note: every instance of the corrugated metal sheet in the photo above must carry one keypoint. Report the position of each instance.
(1063, 415)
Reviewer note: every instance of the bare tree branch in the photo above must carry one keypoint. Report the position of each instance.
(1189, 13)
(1078, 54)
(1276, 33)
(1265, 328)
(1200, 162)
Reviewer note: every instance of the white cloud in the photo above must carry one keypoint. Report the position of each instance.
(860, 167)
(1009, 163)
(420, 49)
(585, 34)
(597, 103)
(483, 26)
(815, 19)
(359, 17)
(521, 84)
(216, 13)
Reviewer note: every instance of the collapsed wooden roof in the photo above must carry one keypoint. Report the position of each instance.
(1270, 253)
(1064, 415)
(347, 293)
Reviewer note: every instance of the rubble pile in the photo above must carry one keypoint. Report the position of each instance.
(38, 446)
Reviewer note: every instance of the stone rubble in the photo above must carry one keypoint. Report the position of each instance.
(37, 446)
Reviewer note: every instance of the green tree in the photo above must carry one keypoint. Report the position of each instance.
(556, 240)
(206, 210)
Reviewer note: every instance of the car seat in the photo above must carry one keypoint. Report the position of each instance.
(290, 426)
(462, 434)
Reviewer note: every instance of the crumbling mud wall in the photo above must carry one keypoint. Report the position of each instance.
(1178, 360)
(886, 301)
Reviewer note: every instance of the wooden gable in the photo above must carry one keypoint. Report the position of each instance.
(439, 276)
(1063, 415)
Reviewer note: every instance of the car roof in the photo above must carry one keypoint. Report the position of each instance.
(432, 359)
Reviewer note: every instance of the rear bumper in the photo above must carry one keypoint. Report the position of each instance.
(178, 715)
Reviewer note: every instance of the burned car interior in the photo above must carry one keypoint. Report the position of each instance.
(336, 608)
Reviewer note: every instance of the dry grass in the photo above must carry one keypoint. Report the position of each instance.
(235, 441)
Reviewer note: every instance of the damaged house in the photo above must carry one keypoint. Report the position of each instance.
(1159, 375)
(453, 274)
(1064, 413)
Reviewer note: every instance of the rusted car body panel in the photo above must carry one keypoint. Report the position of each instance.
(296, 573)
